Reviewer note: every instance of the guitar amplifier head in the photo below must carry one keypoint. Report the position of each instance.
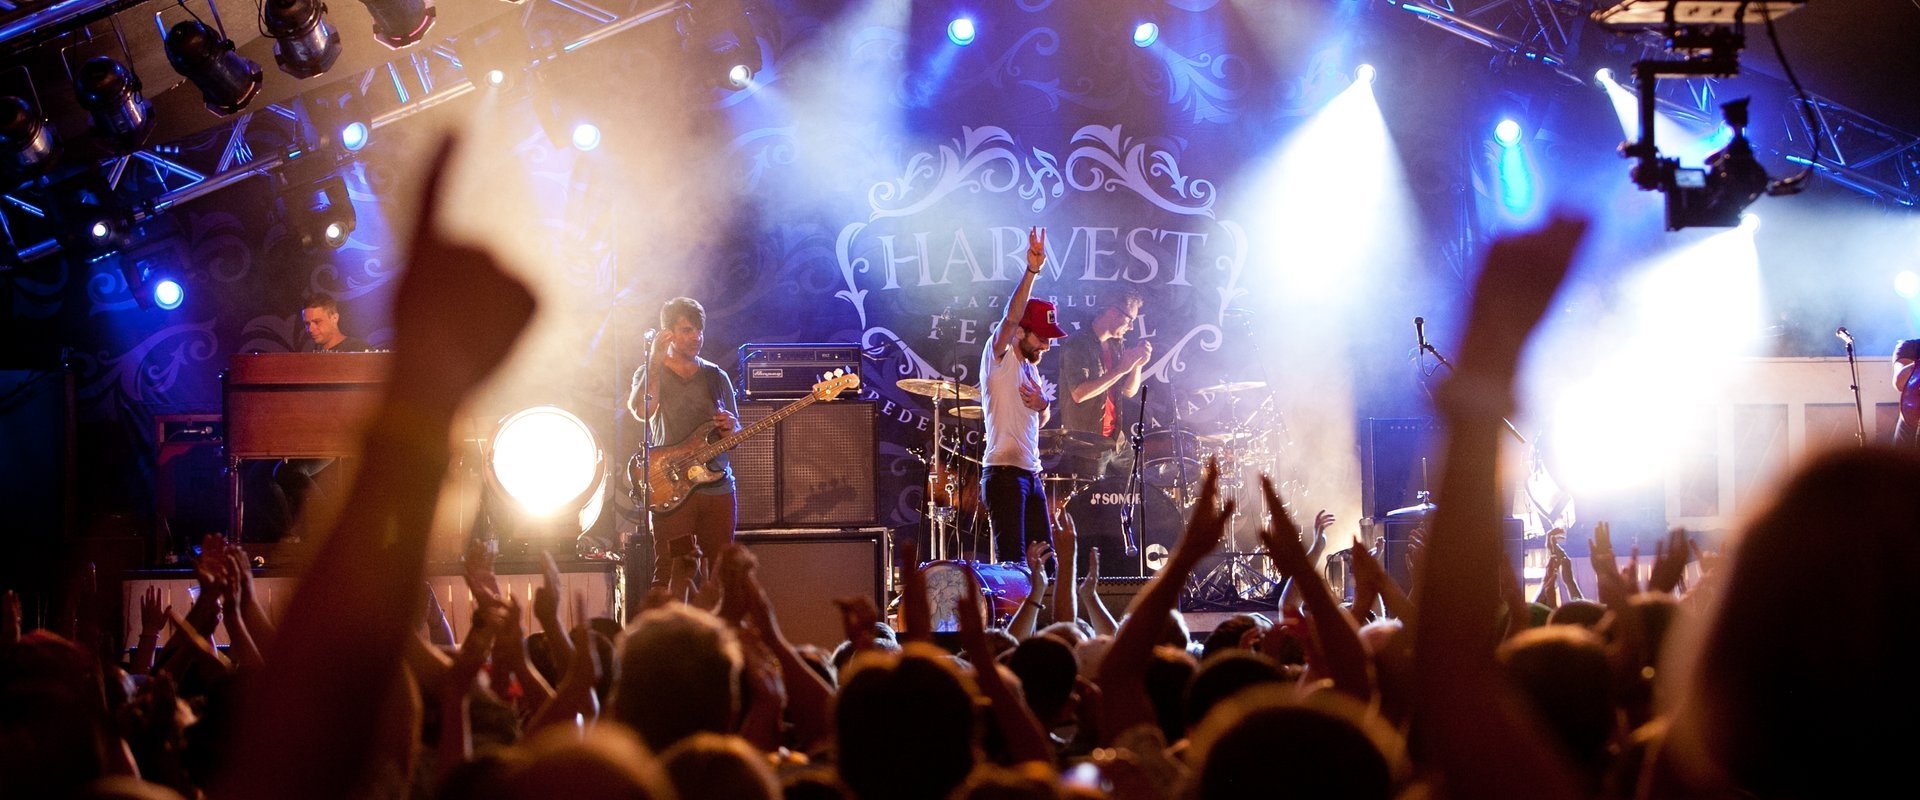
(787, 371)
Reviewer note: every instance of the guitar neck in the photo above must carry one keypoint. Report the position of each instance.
(707, 453)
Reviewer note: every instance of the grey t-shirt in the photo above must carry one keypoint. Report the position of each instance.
(685, 404)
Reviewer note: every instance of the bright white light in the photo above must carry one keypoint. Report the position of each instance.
(1507, 133)
(1145, 34)
(1603, 75)
(100, 230)
(496, 77)
(1689, 142)
(335, 233)
(586, 136)
(1686, 325)
(1907, 284)
(354, 136)
(1364, 74)
(739, 75)
(168, 294)
(545, 459)
(960, 31)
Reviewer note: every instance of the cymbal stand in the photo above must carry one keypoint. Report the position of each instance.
(936, 452)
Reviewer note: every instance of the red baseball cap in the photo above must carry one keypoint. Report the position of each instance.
(1040, 320)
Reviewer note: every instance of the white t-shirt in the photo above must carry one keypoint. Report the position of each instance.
(1013, 430)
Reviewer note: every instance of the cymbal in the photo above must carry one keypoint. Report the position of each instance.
(968, 412)
(939, 390)
(1232, 386)
(1061, 440)
(1223, 438)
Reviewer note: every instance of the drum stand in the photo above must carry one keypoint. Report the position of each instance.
(1239, 578)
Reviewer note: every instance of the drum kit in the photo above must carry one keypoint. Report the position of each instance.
(1171, 463)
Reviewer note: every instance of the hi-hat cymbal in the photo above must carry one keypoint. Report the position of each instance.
(1232, 386)
(968, 412)
(939, 390)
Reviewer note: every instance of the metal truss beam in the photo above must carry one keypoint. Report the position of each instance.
(414, 84)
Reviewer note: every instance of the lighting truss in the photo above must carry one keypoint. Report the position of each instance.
(159, 177)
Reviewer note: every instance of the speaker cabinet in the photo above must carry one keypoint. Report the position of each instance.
(814, 469)
(1398, 536)
(803, 572)
(1398, 463)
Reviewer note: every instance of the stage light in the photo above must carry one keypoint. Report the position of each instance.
(227, 80)
(354, 135)
(496, 77)
(586, 136)
(739, 75)
(1364, 74)
(398, 23)
(110, 93)
(1603, 75)
(168, 294)
(31, 144)
(545, 460)
(100, 230)
(960, 31)
(1507, 133)
(320, 213)
(90, 219)
(1907, 284)
(304, 45)
(495, 53)
(1145, 34)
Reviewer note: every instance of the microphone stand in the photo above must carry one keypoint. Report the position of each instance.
(1859, 406)
(1134, 517)
(1427, 347)
(641, 491)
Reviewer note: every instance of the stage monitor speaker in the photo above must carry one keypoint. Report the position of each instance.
(1398, 463)
(805, 570)
(814, 470)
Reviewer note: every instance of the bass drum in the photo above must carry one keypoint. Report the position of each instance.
(1006, 586)
(1098, 518)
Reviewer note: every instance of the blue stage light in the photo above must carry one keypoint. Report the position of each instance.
(586, 136)
(960, 31)
(1145, 34)
(168, 294)
(1507, 133)
(1365, 73)
(354, 136)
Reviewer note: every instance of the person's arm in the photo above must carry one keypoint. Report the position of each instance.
(809, 700)
(1017, 304)
(1123, 672)
(1903, 361)
(259, 625)
(546, 610)
(1459, 691)
(1025, 737)
(153, 619)
(1066, 547)
(1027, 618)
(348, 622)
(726, 415)
(1098, 384)
(1136, 374)
(1343, 656)
(453, 688)
(1096, 609)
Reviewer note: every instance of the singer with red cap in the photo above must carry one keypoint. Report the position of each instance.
(1016, 406)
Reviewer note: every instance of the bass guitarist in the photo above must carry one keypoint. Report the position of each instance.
(687, 392)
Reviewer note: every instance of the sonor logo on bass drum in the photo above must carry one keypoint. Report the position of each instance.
(1113, 498)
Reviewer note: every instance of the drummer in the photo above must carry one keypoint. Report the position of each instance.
(1099, 372)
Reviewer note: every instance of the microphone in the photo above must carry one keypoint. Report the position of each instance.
(1420, 331)
(651, 332)
(1844, 335)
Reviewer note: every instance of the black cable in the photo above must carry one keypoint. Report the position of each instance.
(1794, 183)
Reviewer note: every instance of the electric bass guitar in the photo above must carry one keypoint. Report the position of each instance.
(678, 469)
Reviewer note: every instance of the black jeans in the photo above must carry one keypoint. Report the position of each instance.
(1017, 510)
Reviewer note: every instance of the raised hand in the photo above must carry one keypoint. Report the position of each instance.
(1600, 549)
(1036, 249)
(1669, 561)
(153, 612)
(1038, 551)
(858, 616)
(1520, 276)
(477, 568)
(457, 312)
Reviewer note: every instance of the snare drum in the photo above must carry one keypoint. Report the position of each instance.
(1006, 586)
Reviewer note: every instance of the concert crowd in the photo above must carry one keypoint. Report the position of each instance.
(1770, 669)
